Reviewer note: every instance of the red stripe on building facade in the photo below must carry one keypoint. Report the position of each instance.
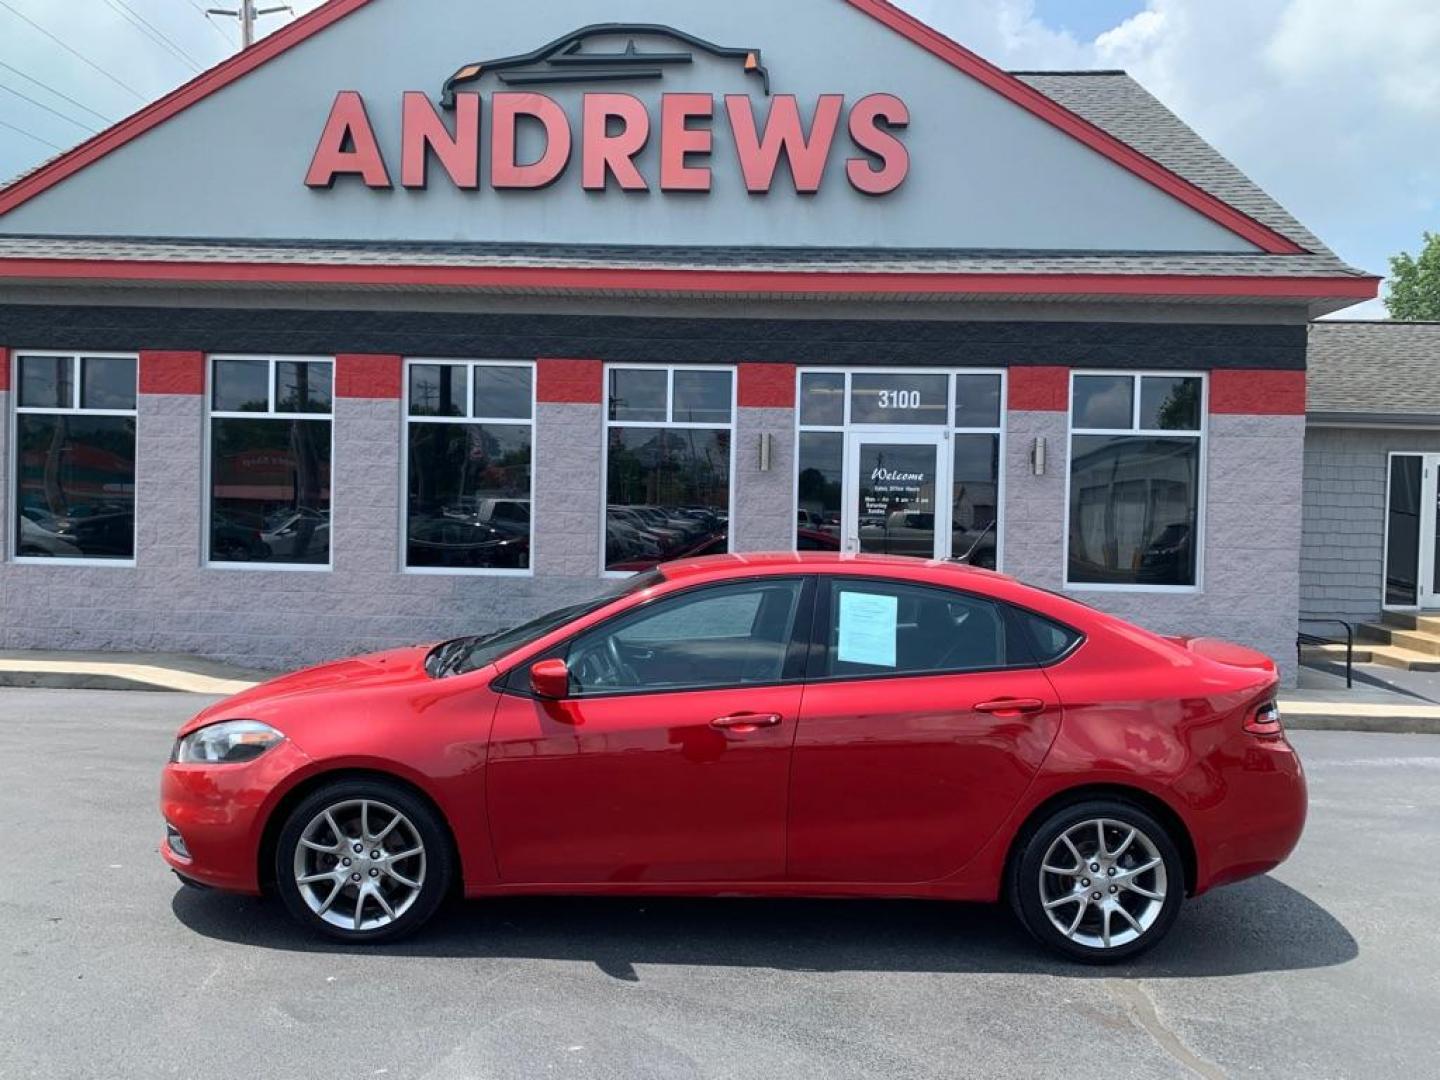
(570, 382)
(358, 375)
(172, 373)
(1039, 389)
(4, 369)
(1245, 392)
(767, 386)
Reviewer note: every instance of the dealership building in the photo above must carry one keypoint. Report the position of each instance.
(419, 318)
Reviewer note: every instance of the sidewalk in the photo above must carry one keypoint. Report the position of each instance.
(123, 671)
(1320, 703)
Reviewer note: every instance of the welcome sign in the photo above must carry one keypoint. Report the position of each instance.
(614, 128)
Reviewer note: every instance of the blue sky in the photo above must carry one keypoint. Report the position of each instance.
(1086, 19)
(1331, 105)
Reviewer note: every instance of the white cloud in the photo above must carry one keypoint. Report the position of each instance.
(1331, 105)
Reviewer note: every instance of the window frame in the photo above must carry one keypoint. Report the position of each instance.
(470, 364)
(667, 425)
(1201, 436)
(12, 479)
(208, 455)
(848, 428)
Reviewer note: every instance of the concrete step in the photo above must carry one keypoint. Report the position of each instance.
(1408, 620)
(1421, 641)
(1334, 653)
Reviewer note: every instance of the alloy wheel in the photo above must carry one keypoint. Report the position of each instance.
(360, 865)
(1103, 883)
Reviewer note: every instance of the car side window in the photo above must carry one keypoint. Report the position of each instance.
(1048, 640)
(893, 628)
(726, 636)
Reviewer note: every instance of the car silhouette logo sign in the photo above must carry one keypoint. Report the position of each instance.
(575, 58)
(619, 136)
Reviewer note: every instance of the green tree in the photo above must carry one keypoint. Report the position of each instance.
(1414, 294)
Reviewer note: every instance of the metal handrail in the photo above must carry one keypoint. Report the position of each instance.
(1315, 639)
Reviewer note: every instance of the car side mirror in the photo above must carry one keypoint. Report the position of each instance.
(550, 679)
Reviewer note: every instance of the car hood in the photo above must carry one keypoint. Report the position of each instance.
(392, 667)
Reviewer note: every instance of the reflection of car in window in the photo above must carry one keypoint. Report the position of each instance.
(466, 544)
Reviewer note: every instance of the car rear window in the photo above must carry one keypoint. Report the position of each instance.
(1048, 640)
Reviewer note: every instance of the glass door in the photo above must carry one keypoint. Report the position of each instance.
(893, 484)
(1429, 575)
(1412, 540)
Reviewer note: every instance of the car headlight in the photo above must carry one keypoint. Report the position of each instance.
(227, 743)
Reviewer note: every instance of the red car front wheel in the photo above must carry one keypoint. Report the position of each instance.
(363, 860)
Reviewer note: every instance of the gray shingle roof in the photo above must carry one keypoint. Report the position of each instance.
(1385, 370)
(808, 260)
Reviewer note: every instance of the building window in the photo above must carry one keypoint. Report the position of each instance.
(669, 442)
(1137, 447)
(952, 437)
(469, 453)
(271, 428)
(75, 457)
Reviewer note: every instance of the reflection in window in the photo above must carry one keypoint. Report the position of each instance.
(1402, 534)
(668, 465)
(470, 479)
(975, 518)
(270, 449)
(822, 470)
(75, 458)
(1134, 513)
(822, 399)
(1134, 505)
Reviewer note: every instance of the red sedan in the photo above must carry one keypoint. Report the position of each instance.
(796, 725)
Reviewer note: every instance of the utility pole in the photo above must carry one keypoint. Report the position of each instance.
(247, 14)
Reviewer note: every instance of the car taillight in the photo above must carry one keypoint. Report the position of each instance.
(1265, 720)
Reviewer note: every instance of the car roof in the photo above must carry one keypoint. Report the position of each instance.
(818, 562)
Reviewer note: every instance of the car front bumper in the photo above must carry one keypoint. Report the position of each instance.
(215, 816)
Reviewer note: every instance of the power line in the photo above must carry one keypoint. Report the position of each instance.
(63, 96)
(31, 135)
(210, 22)
(78, 55)
(47, 108)
(139, 22)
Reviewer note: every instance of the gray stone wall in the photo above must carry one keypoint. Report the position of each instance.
(1251, 570)
(763, 515)
(569, 496)
(1343, 551)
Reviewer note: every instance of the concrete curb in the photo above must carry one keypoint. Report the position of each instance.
(1352, 716)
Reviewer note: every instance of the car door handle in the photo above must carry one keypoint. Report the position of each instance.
(1011, 707)
(745, 723)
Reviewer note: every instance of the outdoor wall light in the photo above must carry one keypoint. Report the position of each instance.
(767, 447)
(1037, 456)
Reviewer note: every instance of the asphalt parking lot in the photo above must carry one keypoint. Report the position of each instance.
(109, 969)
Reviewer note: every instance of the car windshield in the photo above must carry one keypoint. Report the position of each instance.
(469, 653)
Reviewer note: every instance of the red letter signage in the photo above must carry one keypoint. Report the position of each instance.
(424, 131)
(605, 154)
(678, 141)
(871, 121)
(506, 111)
(348, 147)
(784, 133)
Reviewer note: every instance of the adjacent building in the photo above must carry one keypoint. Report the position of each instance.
(420, 318)
(1372, 486)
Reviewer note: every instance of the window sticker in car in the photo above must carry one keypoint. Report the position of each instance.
(868, 629)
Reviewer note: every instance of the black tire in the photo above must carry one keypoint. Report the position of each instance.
(433, 869)
(1027, 879)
